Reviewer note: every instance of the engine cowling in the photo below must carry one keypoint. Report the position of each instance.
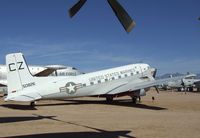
(141, 92)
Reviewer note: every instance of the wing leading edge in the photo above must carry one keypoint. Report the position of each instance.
(133, 86)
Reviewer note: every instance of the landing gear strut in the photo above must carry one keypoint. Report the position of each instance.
(134, 99)
(109, 99)
(32, 104)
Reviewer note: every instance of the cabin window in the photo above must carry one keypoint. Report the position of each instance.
(91, 83)
(119, 77)
(99, 81)
(106, 80)
(113, 78)
(125, 75)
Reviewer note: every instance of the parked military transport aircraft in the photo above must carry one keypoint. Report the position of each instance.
(132, 80)
(185, 84)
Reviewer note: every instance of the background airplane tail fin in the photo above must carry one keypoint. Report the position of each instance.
(18, 74)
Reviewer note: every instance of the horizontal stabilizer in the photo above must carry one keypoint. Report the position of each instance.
(24, 98)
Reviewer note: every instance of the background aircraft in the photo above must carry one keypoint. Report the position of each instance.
(50, 70)
(197, 86)
(119, 11)
(185, 84)
(133, 80)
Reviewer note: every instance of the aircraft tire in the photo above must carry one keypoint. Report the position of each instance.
(32, 104)
(134, 100)
(109, 99)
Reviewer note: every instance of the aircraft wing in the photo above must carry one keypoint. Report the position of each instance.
(105, 89)
(49, 69)
(3, 83)
(132, 85)
(45, 72)
(24, 97)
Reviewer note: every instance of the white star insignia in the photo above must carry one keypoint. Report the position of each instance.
(71, 88)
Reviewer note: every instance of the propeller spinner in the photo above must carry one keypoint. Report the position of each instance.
(119, 11)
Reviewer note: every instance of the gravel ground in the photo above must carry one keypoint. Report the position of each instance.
(171, 114)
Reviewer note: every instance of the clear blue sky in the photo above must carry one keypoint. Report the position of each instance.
(166, 36)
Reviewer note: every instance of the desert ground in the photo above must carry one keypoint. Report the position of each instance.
(171, 114)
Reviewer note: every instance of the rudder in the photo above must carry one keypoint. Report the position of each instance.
(18, 74)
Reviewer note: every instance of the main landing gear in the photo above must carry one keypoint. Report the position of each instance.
(136, 99)
(109, 99)
(33, 103)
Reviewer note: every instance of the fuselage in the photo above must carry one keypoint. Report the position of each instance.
(89, 84)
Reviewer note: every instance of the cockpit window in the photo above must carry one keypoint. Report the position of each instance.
(74, 68)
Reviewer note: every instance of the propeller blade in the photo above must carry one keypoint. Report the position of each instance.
(122, 15)
(156, 89)
(74, 9)
(182, 82)
(154, 74)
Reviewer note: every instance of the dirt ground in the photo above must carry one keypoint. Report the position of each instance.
(171, 114)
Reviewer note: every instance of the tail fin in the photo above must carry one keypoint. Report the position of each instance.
(18, 74)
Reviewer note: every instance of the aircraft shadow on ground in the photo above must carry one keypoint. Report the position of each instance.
(108, 134)
(99, 133)
(24, 118)
(125, 103)
(19, 107)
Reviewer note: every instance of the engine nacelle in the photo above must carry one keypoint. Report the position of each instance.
(140, 92)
